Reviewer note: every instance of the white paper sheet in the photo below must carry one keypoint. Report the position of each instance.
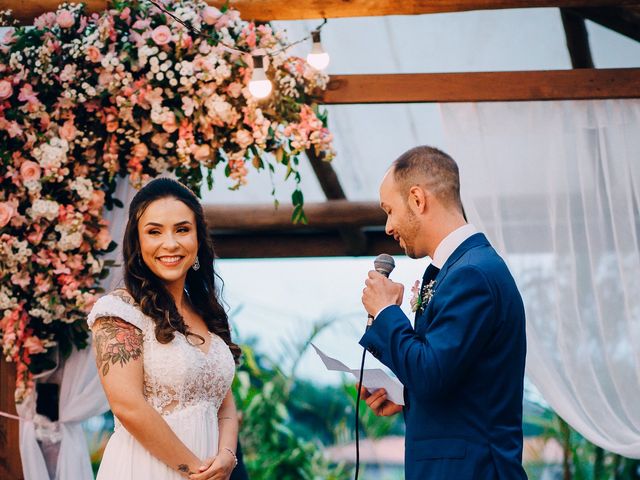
(372, 378)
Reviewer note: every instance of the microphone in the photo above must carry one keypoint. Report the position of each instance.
(383, 264)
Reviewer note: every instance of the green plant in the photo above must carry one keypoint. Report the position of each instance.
(582, 460)
(270, 442)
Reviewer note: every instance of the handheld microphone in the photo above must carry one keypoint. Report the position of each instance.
(383, 264)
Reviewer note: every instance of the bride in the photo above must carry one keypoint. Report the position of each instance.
(163, 347)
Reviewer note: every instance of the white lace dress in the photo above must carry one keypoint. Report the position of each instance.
(185, 385)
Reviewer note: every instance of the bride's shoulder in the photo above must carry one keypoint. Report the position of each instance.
(118, 303)
(124, 295)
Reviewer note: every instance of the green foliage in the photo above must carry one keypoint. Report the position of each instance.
(582, 459)
(270, 446)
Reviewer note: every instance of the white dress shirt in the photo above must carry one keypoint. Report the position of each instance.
(446, 247)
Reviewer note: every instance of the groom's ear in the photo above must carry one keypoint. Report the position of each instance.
(418, 199)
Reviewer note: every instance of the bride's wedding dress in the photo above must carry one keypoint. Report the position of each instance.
(183, 383)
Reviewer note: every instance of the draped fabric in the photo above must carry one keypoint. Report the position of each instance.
(556, 187)
(81, 394)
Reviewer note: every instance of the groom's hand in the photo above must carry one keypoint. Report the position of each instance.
(378, 402)
(380, 292)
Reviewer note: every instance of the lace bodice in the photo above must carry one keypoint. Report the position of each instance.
(177, 375)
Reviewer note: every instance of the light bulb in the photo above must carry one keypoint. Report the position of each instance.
(259, 86)
(317, 58)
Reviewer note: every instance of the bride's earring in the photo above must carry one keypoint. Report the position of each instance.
(196, 264)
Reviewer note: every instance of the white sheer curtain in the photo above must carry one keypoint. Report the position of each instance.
(556, 186)
(81, 394)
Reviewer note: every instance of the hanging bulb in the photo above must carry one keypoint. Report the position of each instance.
(259, 86)
(317, 58)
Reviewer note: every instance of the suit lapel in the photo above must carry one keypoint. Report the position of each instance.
(423, 321)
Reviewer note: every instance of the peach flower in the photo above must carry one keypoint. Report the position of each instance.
(112, 123)
(103, 239)
(140, 150)
(34, 345)
(68, 130)
(30, 171)
(96, 202)
(202, 152)
(93, 53)
(170, 125)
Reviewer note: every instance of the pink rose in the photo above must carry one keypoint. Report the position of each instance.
(6, 212)
(210, 15)
(68, 131)
(35, 236)
(65, 19)
(30, 171)
(202, 152)
(9, 36)
(6, 90)
(140, 150)
(125, 14)
(93, 54)
(161, 35)
(170, 125)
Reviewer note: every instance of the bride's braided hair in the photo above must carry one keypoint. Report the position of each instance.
(149, 291)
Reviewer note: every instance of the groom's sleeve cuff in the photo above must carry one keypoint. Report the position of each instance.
(382, 310)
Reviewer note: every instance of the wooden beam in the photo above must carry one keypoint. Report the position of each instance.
(266, 10)
(259, 217)
(575, 32)
(299, 244)
(484, 86)
(624, 20)
(10, 465)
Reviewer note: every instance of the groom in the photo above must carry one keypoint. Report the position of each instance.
(462, 363)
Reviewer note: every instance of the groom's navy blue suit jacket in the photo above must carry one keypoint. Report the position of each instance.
(462, 368)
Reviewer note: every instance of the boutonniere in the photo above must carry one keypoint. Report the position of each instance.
(420, 300)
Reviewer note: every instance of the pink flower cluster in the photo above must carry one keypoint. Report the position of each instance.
(85, 99)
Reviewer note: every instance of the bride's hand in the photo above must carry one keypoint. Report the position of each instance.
(215, 468)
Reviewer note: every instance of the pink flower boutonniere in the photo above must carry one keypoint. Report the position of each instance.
(420, 300)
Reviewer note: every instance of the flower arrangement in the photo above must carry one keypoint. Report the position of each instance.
(421, 297)
(88, 99)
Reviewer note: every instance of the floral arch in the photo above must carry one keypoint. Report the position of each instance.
(86, 100)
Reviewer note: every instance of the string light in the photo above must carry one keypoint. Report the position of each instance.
(317, 58)
(259, 86)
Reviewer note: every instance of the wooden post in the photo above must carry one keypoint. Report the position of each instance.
(10, 466)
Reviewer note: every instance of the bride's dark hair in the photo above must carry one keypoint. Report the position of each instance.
(149, 291)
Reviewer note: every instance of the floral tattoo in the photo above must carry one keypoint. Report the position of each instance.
(116, 342)
(184, 468)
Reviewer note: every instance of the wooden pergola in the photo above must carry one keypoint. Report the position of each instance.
(340, 227)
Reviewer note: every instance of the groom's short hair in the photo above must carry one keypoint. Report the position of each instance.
(432, 169)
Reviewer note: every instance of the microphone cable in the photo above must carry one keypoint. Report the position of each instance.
(383, 264)
(364, 353)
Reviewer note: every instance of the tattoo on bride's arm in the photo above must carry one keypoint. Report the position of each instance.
(116, 341)
(184, 469)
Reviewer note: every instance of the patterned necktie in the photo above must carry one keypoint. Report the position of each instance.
(430, 274)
